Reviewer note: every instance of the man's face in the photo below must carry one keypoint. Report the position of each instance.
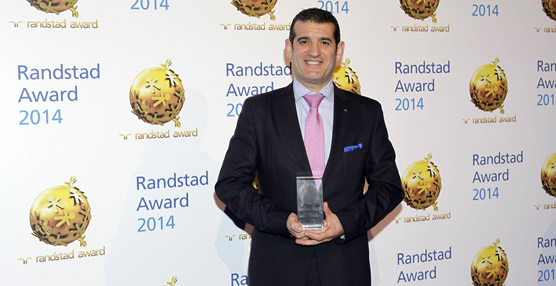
(314, 53)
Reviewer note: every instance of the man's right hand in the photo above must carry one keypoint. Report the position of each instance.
(295, 227)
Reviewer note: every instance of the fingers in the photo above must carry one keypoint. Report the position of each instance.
(332, 229)
(321, 235)
(326, 209)
(294, 227)
(316, 237)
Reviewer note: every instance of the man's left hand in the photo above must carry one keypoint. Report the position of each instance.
(332, 229)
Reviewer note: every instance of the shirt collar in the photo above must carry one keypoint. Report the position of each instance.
(299, 90)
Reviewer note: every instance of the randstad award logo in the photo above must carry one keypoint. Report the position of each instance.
(422, 184)
(345, 78)
(549, 7)
(55, 6)
(157, 95)
(490, 266)
(256, 8)
(420, 9)
(60, 215)
(489, 87)
(548, 175)
(58, 7)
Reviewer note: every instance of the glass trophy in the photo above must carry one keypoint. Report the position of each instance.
(309, 202)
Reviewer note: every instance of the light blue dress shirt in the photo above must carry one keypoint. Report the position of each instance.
(326, 111)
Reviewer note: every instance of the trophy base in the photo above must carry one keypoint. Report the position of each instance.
(311, 220)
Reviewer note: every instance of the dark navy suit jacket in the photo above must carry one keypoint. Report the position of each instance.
(268, 144)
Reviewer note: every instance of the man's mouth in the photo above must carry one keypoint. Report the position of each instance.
(313, 62)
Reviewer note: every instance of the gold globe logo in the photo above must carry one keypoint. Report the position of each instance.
(490, 266)
(60, 215)
(422, 184)
(345, 78)
(420, 9)
(549, 7)
(256, 8)
(55, 6)
(548, 175)
(489, 87)
(157, 95)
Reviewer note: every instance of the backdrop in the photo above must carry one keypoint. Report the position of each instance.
(117, 115)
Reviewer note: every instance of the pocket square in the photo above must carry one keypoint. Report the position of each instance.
(353, 148)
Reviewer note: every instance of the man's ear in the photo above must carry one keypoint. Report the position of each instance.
(288, 48)
(340, 52)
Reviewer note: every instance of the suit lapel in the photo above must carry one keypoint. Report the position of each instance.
(286, 116)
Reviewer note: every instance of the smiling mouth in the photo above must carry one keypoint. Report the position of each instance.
(313, 62)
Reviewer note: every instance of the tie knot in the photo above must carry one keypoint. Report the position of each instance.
(314, 99)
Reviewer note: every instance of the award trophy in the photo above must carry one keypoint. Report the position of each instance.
(309, 202)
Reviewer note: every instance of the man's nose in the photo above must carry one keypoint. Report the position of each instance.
(314, 49)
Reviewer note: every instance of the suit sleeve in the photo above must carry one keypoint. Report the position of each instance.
(234, 186)
(385, 190)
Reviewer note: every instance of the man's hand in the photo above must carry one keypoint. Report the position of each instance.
(332, 229)
(295, 227)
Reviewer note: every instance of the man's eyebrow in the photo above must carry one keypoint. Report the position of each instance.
(320, 39)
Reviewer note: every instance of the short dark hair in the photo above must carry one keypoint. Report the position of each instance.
(318, 16)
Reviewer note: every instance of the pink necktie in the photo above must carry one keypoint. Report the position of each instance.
(314, 135)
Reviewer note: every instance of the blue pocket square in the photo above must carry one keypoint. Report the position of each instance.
(353, 148)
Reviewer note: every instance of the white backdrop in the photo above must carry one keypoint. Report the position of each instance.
(93, 135)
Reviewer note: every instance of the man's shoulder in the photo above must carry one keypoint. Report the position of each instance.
(357, 99)
(270, 95)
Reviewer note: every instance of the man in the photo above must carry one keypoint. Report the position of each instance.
(269, 144)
